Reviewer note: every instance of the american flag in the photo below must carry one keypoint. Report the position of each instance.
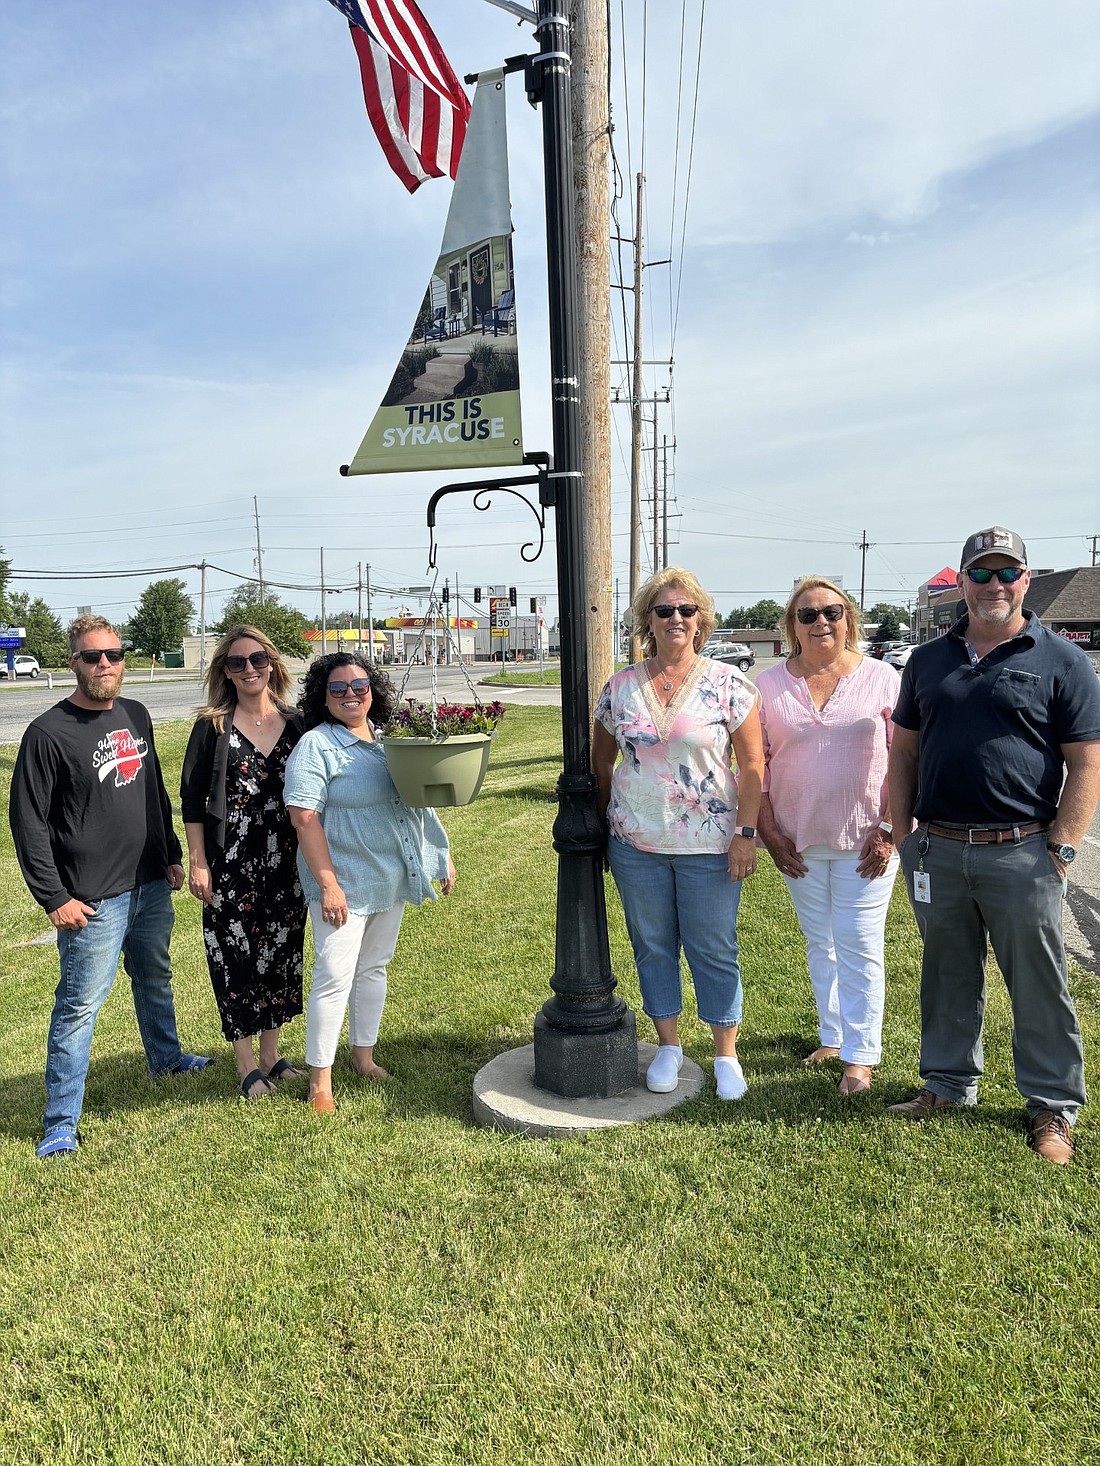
(415, 102)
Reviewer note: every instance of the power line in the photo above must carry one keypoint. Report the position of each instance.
(687, 184)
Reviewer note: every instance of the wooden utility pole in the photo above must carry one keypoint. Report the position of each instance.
(370, 616)
(656, 496)
(259, 548)
(202, 619)
(863, 546)
(664, 500)
(324, 618)
(636, 425)
(591, 188)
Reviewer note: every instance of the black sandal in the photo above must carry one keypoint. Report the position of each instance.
(283, 1069)
(249, 1080)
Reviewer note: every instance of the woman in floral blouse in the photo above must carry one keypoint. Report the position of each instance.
(680, 823)
(241, 850)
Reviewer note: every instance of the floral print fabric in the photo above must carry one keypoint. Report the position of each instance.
(674, 790)
(254, 926)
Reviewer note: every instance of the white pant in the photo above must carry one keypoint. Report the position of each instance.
(843, 918)
(349, 975)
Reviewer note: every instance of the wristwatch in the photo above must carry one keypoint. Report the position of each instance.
(1065, 853)
(749, 831)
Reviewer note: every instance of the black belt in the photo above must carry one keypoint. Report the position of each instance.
(986, 834)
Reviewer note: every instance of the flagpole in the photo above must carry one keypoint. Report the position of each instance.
(524, 12)
(585, 1040)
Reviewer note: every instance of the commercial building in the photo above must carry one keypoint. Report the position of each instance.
(1065, 601)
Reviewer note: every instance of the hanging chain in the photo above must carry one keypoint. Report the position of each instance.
(436, 613)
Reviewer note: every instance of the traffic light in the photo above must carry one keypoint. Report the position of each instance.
(534, 604)
(477, 595)
(511, 595)
(446, 595)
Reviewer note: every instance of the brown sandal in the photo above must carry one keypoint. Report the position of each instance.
(857, 1079)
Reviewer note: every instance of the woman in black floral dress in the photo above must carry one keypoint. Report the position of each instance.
(242, 851)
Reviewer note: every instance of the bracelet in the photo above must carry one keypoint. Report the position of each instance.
(887, 826)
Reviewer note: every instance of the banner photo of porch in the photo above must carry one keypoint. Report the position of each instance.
(453, 401)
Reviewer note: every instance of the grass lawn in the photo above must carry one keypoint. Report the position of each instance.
(550, 676)
(792, 1278)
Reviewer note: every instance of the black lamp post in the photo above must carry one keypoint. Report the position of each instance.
(585, 1040)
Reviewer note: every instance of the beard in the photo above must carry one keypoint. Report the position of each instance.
(995, 615)
(99, 690)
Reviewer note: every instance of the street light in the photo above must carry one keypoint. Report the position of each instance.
(585, 1040)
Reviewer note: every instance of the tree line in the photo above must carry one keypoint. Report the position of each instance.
(767, 615)
(163, 616)
(165, 613)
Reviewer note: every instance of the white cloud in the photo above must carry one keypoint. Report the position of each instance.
(889, 312)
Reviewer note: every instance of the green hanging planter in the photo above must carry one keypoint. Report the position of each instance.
(438, 772)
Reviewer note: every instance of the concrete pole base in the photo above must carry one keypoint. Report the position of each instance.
(507, 1098)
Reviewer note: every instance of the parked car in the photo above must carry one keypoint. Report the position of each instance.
(878, 649)
(24, 667)
(899, 656)
(737, 652)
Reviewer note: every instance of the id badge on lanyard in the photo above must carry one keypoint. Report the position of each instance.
(922, 881)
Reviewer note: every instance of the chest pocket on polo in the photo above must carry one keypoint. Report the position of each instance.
(1016, 690)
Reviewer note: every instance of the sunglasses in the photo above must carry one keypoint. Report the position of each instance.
(359, 685)
(807, 615)
(114, 655)
(1006, 574)
(687, 611)
(259, 660)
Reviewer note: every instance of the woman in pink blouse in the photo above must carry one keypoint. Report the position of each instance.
(824, 815)
(681, 826)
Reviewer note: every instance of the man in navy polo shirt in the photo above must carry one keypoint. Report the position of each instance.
(990, 720)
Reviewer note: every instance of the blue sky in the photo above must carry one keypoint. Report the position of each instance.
(889, 312)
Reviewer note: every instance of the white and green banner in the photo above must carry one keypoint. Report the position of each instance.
(453, 401)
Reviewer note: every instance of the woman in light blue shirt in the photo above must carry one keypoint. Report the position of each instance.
(362, 854)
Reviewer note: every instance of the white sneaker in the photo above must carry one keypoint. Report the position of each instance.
(663, 1075)
(730, 1079)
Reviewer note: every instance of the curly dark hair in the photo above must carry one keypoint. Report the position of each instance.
(312, 701)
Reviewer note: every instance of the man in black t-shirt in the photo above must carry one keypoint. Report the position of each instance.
(93, 832)
(996, 753)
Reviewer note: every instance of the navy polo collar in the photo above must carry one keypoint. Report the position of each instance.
(1029, 631)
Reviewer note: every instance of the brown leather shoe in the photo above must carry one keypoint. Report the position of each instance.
(1052, 1138)
(928, 1102)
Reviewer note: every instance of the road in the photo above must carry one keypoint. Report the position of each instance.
(171, 696)
(176, 695)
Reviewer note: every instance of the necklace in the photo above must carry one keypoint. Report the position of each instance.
(666, 684)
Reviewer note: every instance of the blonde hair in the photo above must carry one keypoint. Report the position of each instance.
(646, 599)
(853, 626)
(82, 626)
(221, 695)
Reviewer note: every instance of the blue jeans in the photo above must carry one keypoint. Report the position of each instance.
(137, 924)
(671, 901)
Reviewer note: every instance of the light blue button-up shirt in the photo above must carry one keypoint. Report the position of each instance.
(382, 851)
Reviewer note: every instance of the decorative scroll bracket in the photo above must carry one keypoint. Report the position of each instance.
(482, 490)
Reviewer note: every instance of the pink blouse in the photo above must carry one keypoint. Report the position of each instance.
(825, 771)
